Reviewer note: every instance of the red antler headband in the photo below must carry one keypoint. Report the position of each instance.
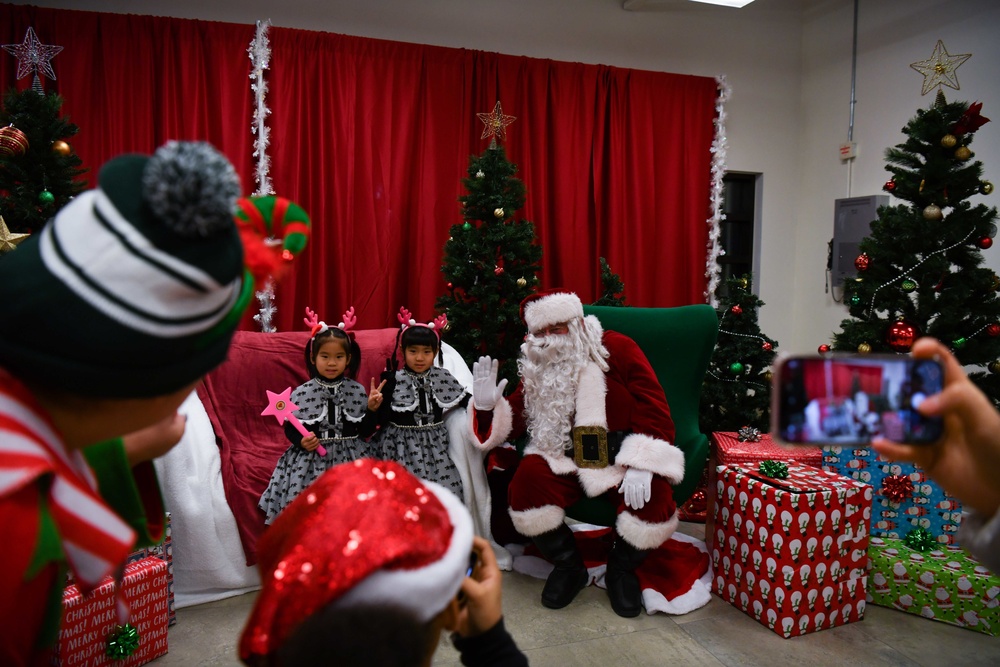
(317, 326)
(406, 321)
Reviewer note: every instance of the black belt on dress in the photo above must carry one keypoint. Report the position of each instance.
(593, 447)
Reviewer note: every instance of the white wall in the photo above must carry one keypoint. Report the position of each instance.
(788, 63)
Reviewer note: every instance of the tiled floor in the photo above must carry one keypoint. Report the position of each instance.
(588, 633)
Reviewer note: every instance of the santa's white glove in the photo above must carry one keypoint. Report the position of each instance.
(485, 390)
(636, 487)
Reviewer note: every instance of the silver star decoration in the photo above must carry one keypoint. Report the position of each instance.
(32, 57)
(940, 68)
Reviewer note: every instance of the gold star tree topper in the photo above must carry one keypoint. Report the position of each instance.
(940, 68)
(8, 239)
(496, 122)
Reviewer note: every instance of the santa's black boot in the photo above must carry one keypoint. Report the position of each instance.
(623, 585)
(570, 573)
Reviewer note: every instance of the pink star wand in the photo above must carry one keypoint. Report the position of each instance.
(281, 408)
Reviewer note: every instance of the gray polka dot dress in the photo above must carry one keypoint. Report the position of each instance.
(415, 435)
(337, 412)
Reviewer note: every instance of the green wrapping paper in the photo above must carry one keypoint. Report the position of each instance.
(945, 584)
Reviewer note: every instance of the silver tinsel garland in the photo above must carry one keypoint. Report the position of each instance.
(715, 249)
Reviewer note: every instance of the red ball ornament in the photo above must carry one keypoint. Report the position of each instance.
(498, 271)
(737, 309)
(985, 243)
(993, 330)
(901, 335)
(889, 186)
(862, 262)
(823, 349)
(451, 285)
(767, 347)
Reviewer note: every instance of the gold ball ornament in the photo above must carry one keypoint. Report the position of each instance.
(963, 153)
(13, 142)
(933, 212)
(986, 188)
(994, 366)
(743, 283)
(498, 213)
(949, 141)
(521, 282)
(60, 147)
(864, 348)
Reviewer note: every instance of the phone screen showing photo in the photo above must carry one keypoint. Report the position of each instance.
(850, 400)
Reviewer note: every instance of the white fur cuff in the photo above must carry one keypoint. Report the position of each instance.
(537, 520)
(642, 534)
(503, 420)
(648, 453)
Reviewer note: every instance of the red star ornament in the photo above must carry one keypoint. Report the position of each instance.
(496, 122)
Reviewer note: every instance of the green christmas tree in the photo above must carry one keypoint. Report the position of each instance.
(737, 387)
(36, 183)
(490, 264)
(920, 269)
(612, 288)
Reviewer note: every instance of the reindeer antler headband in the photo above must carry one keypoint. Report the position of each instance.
(406, 321)
(317, 326)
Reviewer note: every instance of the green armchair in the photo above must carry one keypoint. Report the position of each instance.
(678, 343)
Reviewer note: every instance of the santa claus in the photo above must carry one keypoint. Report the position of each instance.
(598, 425)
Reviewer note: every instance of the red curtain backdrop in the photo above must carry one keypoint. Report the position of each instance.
(373, 137)
(824, 379)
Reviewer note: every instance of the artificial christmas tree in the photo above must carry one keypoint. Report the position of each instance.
(491, 261)
(612, 288)
(737, 387)
(920, 270)
(39, 171)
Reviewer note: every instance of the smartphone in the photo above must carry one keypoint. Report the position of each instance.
(849, 399)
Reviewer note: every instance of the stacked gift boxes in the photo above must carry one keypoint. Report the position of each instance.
(945, 584)
(89, 622)
(728, 449)
(905, 499)
(792, 552)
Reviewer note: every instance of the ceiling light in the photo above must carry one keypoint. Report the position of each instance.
(726, 3)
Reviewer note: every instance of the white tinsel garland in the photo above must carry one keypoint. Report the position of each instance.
(715, 249)
(260, 59)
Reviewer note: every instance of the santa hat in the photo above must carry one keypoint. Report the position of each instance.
(548, 307)
(134, 288)
(365, 533)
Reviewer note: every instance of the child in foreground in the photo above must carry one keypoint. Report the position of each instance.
(114, 311)
(367, 567)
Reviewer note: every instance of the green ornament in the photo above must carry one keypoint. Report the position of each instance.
(736, 368)
(959, 343)
(46, 197)
(920, 539)
(774, 469)
(123, 642)
(855, 299)
(466, 225)
(909, 285)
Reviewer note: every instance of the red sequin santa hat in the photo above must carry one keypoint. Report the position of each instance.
(366, 532)
(548, 307)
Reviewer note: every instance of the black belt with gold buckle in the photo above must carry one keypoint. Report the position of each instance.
(595, 447)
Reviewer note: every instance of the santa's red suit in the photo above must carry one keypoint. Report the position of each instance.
(626, 400)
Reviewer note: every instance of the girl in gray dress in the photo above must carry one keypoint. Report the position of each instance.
(334, 409)
(412, 430)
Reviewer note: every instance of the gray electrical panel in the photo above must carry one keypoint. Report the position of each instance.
(851, 222)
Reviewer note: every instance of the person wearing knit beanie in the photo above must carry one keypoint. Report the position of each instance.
(366, 567)
(114, 311)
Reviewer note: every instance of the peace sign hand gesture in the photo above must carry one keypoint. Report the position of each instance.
(375, 396)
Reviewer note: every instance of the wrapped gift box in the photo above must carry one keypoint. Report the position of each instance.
(945, 584)
(89, 621)
(926, 507)
(165, 552)
(727, 449)
(792, 553)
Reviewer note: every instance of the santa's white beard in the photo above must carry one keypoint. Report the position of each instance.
(550, 371)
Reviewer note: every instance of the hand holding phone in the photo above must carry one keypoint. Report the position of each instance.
(847, 400)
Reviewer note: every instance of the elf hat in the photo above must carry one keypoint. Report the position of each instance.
(548, 307)
(365, 533)
(134, 288)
